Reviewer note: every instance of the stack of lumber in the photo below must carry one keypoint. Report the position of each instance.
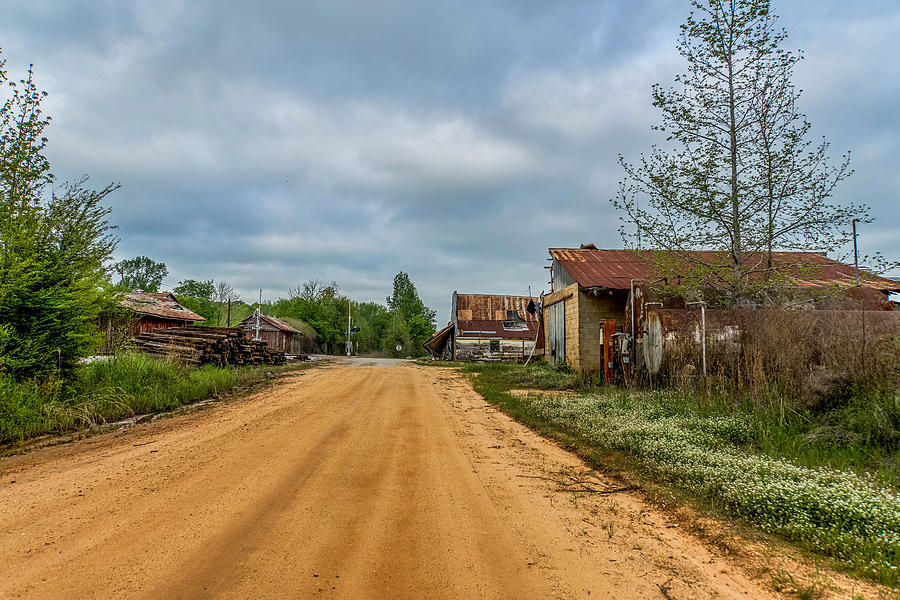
(195, 345)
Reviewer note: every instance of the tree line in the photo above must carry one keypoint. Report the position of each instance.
(315, 308)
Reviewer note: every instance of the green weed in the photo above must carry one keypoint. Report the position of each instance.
(106, 391)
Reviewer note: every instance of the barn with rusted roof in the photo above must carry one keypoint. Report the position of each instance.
(487, 327)
(590, 286)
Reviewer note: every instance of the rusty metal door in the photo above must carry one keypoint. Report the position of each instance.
(607, 330)
(556, 332)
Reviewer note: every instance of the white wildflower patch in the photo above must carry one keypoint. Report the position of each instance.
(839, 513)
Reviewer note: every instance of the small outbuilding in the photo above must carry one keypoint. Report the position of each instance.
(277, 334)
(157, 311)
(487, 327)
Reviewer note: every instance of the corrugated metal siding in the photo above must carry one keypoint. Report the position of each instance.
(556, 332)
(489, 307)
(495, 329)
(560, 278)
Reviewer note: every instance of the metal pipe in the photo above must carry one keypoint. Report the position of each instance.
(702, 306)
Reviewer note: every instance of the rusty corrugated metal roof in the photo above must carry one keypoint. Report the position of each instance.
(437, 343)
(158, 304)
(491, 307)
(273, 321)
(614, 269)
(276, 322)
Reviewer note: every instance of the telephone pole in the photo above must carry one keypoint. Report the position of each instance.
(258, 307)
(349, 343)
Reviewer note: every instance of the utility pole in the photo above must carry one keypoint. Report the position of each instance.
(229, 311)
(258, 306)
(349, 343)
(855, 253)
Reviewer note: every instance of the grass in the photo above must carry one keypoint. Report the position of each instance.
(104, 391)
(772, 468)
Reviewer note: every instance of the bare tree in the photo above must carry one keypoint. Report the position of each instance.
(739, 174)
(313, 289)
(224, 292)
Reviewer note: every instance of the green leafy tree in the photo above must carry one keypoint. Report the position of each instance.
(372, 319)
(196, 289)
(397, 334)
(418, 319)
(141, 273)
(739, 173)
(52, 251)
(406, 321)
(323, 307)
(198, 296)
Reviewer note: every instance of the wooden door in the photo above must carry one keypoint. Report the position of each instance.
(556, 332)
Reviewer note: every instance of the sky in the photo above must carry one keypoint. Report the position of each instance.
(266, 143)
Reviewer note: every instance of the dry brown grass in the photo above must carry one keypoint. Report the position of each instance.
(808, 355)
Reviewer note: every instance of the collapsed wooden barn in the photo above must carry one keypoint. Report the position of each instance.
(592, 291)
(278, 335)
(487, 327)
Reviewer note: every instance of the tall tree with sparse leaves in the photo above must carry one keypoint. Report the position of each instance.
(739, 173)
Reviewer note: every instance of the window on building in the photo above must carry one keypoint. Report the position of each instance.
(495, 345)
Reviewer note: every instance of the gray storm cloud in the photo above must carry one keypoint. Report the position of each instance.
(267, 143)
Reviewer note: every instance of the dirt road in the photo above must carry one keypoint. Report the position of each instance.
(338, 482)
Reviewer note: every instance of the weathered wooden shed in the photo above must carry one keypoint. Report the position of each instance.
(277, 334)
(590, 285)
(157, 311)
(486, 327)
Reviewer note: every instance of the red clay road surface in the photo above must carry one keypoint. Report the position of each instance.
(339, 482)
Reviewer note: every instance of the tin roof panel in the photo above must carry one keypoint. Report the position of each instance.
(614, 269)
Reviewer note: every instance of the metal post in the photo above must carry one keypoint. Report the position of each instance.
(349, 343)
(703, 333)
(855, 252)
(633, 337)
(258, 307)
(702, 306)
